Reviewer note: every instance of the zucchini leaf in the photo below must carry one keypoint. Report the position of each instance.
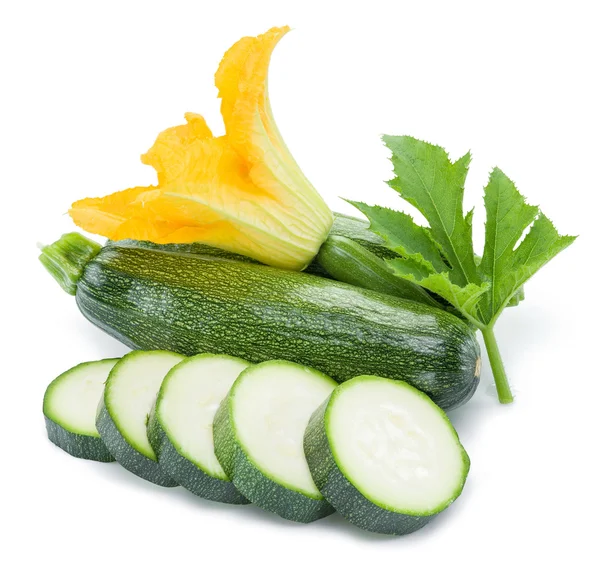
(440, 257)
(505, 267)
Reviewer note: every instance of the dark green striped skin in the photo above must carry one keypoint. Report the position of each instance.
(128, 457)
(259, 488)
(185, 472)
(340, 492)
(349, 262)
(79, 446)
(163, 300)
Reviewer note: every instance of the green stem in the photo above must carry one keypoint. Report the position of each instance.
(504, 393)
(66, 259)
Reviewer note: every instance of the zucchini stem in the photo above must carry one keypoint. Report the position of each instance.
(502, 386)
(66, 259)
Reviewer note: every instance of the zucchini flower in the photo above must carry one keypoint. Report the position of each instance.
(242, 192)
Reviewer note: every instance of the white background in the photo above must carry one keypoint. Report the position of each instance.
(85, 89)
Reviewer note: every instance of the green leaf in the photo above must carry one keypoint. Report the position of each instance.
(403, 235)
(540, 245)
(465, 299)
(410, 267)
(430, 181)
(517, 298)
(441, 258)
(507, 217)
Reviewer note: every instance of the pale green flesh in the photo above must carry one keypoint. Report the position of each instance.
(131, 391)
(187, 403)
(272, 403)
(395, 446)
(72, 398)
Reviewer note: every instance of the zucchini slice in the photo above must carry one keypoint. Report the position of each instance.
(124, 409)
(384, 455)
(180, 428)
(258, 432)
(70, 404)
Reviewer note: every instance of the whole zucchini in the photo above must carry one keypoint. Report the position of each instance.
(158, 299)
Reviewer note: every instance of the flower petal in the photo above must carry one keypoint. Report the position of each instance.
(253, 133)
(172, 153)
(105, 215)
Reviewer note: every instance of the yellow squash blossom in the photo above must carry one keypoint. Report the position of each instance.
(243, 192)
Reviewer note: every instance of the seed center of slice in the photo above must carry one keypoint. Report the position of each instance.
(271, 408)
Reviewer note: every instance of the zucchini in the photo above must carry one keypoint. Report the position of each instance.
(349, 262)
(70, 404)
(258, 432)
(124, 408)
(180, 426)
(384, 455)
(152, 299)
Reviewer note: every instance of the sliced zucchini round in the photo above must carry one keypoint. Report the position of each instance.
(384, 455)
(180, 428)
(124, 409)
(70, 404)
(258, 433)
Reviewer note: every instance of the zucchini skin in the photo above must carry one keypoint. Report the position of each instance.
(128, 457)
(252, 483)
(153, 299)
(185, 472)
(79, 446)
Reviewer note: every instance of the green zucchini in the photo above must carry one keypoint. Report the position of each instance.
(180, 426)
(124, 409)
(70, 404)
(384, 455)
(151, 299)
(349, 262)
(259, 430)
